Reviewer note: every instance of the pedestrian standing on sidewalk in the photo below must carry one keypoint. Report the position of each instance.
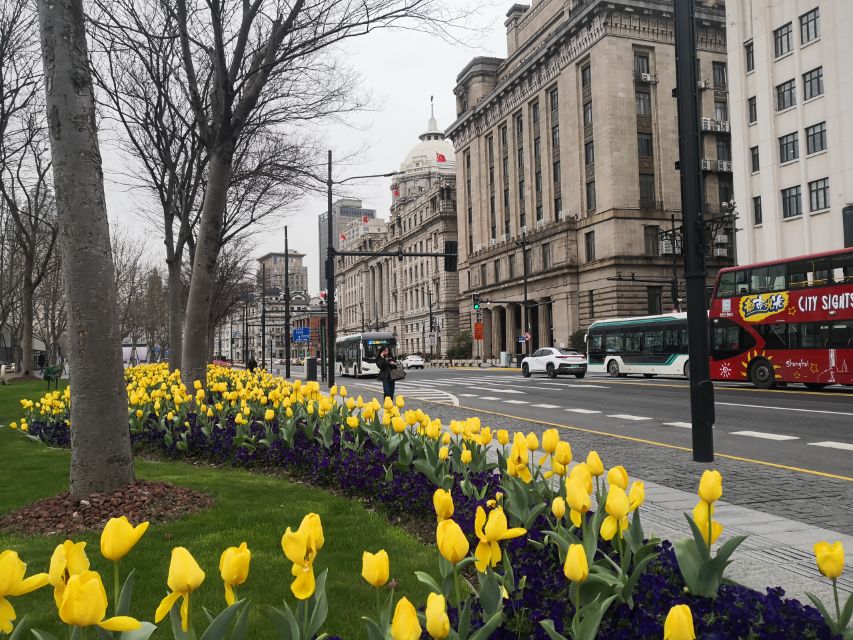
(386, 362)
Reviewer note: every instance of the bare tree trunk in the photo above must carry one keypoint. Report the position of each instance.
(176, 315)
(27, 290)
(101, 458)
(194, 353)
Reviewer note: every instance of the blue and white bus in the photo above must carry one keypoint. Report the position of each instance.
(355, 355)
(650, 345)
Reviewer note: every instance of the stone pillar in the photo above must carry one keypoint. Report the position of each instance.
(509, 328)
(544, 325)
(488, 327)
(497, 331)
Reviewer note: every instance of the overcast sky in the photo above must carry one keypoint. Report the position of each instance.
(401, 70)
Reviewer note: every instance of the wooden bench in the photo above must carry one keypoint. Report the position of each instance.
(8, 372)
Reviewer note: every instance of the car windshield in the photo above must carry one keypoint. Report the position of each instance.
(568, 352)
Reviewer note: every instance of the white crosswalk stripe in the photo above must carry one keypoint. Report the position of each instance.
(515, 401)
(763, 435)
(683, 425)
(846, 446)
(546, 406)
(584, 411)
(625, 416)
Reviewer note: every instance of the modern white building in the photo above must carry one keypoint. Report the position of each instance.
(791, 84)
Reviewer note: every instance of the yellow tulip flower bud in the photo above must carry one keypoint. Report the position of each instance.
(269, 414)
(352, 422)
(375, 568)
(503, 436)
(618, 476)
(679, 624)
(84, 604)
(119, 537)
(532, 441)
(580, 472)
(342, 392)
(398, 424)
(617, 502)
(400, 401)
(333, 391)
(234, 569)
(576, 567)
(437, 622)
(405, 624)
(702, 512)
(442, 502)
(185, 576)
(550, 439)
(593, 463)
(465, 456)
(637, 495)
(558, 507)
(711, 486)
(139, 414)
(443, 453)
(445, 438)
(197, 384)
(830, 558)
(577, 496)
(452, 543)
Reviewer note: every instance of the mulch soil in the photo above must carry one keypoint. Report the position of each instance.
(140, 501)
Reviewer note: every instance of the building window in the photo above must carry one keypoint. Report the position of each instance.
(720, 75)
(546, 256)
(555, 137)
(813, 83)
(590, 195)
(586, 76)
(786, 95)
(589, 243)
(643, 101)
(756, 163)
(847, 221)
(789, 147)
(750, 56)
(810, 26)
(721, 111)
(497, 265)
(756, 210)
(644, 145)
(819, 194)
(558, 207)
(816, 138)
(647, 189)
(724, 150)
(556, 173)
(725, 190)
(555, 101)
(654, 296)
(792, 205)
(783, 39)
(589, 153)
(641, 63)
(651, 237)
(510, 263)
(587, 114)
(753, 110)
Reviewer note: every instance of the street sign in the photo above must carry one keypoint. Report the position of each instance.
(301, 334)
(433, 339)
(478, 331)
(527, 337)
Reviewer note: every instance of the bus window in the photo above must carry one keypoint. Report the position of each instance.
(808, 336)
(613, 343)
(742, 281)
(595, 344)
(841, 334)
(633, 341)
(726, 286)
(766, 279)
(842, 268)
(727, 339)
(653, 341)
(775, 335)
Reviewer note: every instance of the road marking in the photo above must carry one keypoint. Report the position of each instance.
(683, 425)
(765, 436)
(546, 406)
(515, 401)
(489, 398)
(494, 390)
(744, 387)
(619, 436)
(832, 445)
(468, 395)
(625, 416)
(588, 386)
(761, 406)
(584, 411)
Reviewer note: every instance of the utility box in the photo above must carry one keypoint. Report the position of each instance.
(505, 359)
(311, 369)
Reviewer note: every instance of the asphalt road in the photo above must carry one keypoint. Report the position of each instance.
(790, 427)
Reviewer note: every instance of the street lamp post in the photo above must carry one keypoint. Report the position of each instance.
(286, 306)
(523, 243)
(263, 313)
(428, 292)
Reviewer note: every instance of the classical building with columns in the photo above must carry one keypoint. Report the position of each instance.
(404, 296)
(566, 152)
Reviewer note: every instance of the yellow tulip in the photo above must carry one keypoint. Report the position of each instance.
(400, 402)
(558, 507)
(333, 391)
(301, 549)
(269, 414)
(618, 476)
(550, 439)
(185, 576)
(399, 424)
(563, 453)
(580, 472)
(437, 622)
(711, 486)
(342, 392)
(532, 441)
(375, 567)
(13, 583)
(830, 558)
(442, 502)
(593, 463)
(637, 495)
(452, 543)
(503, 436)
(679, 624)
(405, 624)
(617, 506)
(701, 512)
(352, 422)
(68, 559)
(465, 456)
(443, 453)
(490, 532)
(84, 604)
(576, 567)
(234, 569)
(388, 404)
(445, 438)
(119, 537)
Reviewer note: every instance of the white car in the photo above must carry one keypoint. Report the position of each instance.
(413, 362)
(554, 362)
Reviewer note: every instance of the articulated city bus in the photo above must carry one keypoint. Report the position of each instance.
(355, 355)
(651, 345)
(785, 321)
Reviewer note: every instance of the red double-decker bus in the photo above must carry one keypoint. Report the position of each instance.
(785, 321)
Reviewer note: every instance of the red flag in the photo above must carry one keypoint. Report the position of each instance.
(364, 219)
(396, 192)
(439, 157)
(343, 237)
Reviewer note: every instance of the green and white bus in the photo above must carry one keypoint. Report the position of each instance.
(650, 345)
(355, 355)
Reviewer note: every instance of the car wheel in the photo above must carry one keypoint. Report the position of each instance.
(815, 386)
(761, 374)
(525, 370)
(613, 369)
(550, 370)
(579, 375)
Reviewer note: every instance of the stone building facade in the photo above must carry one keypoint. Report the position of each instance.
(273, 264)
(567, 147)
(403, 296)
(344, 212)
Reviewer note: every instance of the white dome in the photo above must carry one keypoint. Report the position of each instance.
(432, 152)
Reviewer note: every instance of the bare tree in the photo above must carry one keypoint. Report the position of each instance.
(51, 319)
(10, 282)
(101, 458)
(130, 272)
(155, 319)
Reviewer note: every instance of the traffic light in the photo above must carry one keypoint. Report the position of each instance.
(451, 247)
(475, 299)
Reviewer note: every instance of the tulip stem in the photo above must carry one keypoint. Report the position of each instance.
(710, 528)
(837, 607)
(456, 587)
(116, 583)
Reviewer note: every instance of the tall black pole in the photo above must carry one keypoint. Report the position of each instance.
(431, 325)
(701, 389)
(524, 315)
(286, 306)
(330, 282)
(673, 287)
(246, 331)
(263, 315)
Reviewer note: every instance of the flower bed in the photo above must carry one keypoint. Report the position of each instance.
(581, 555)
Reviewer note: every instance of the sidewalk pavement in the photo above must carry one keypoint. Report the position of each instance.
(783, 512)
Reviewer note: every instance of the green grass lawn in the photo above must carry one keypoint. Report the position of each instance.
(249, 507)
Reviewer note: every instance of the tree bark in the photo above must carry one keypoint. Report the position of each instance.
(27, 290)
(194, 352)
(176, 314)
(101, 458)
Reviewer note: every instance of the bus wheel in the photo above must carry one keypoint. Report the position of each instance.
(815, 386)
(525, 370)
(648, 375)
(613, 369)
(687, 369)
(762, 375)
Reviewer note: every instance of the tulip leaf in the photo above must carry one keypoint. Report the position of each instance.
(688, 562)
(241, 627)
(319, 606)
(124, 599)
(823, 611)
(219, 626)
(846, 613)
(485, 632)
(283, 622)
(701, 545)
(426, 470)
(548, 625)
(591, 616)
(490, 594)
(426, 579)
(464, 619)
(373, 630)
(43, 635)
(18, 632)
(177, 630)
(142, 633)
